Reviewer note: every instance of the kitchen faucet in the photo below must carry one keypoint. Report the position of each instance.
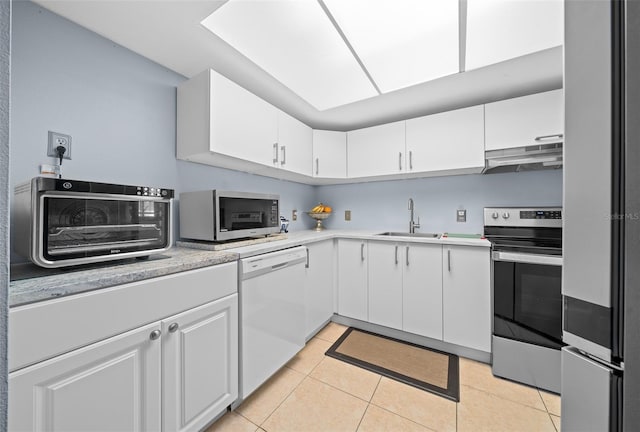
(412, 225)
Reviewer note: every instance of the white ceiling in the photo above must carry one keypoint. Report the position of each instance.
(169, 32)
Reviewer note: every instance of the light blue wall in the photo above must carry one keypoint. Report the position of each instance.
(119, 108)
(383, 205)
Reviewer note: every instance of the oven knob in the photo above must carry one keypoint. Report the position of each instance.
(505, 215)
(495, 215)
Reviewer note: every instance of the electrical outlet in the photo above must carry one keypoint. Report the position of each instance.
(347, 215)
(294, 215)
(57, 139)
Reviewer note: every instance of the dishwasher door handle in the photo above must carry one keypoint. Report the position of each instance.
(277, 266)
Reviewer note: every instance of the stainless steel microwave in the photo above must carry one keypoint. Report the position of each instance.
(218, 216)
(62, 222)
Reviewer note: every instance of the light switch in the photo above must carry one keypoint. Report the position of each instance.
(347, 215)
(461, 215)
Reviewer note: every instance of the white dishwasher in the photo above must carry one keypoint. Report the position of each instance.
(271, 314)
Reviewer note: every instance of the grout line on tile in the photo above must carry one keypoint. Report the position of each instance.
(552, 422)
(344, 391)
(257, 426)
(543, 402)
(284, 399)
(362, 418)
(314, 368)
(375, 389)
(457, 405)
(406, 418)
(508, 400)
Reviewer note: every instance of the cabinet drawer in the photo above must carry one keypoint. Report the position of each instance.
(43, 330)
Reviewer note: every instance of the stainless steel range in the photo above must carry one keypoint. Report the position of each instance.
(527, 300)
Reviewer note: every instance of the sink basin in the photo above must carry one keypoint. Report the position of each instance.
(406, 234)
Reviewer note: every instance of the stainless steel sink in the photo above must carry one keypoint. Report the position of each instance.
(407, 234)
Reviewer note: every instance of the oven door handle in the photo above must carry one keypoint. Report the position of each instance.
(527, 258)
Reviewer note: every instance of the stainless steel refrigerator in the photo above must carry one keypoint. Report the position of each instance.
(601, 227)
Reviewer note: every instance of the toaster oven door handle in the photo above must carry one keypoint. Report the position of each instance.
(526, 258)
(103, 228)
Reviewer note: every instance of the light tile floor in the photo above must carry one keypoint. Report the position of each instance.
(318, 393)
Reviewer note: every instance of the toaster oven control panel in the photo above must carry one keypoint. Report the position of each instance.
(45, 184)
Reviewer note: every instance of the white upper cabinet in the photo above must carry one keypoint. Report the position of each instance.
(294, 145)
(527, 120)
(377, 150)
(216, 116)
(329, 154)
(499, 30)
(447, 141)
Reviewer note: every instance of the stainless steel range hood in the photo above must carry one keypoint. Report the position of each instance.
(528, 158)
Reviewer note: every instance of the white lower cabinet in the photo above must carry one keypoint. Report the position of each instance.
(199, 364)
(385, 284)
(466, 295)
(442, 292)
(318, 285)
(175, 374)
(405, 287)
(422, 290)
(113, 385)
(352, 279)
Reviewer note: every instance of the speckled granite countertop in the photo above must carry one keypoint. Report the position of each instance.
(30, 283)
(298, 238)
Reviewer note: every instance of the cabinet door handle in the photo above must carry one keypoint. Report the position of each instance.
(155, 335)
(275, 153)
(400, 161)
(173, 327)
(396, 254)
(362, 252)
(544, 137)
(411, 160)
(407, 255)
(284, 155)
(449, 260)
(317, 166)
(307, 263)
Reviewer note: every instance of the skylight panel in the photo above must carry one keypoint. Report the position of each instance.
(295, 42)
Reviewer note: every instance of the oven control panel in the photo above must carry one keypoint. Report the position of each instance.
(550, 217)
(541, 214)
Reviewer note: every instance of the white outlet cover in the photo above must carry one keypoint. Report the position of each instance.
(55, 139)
